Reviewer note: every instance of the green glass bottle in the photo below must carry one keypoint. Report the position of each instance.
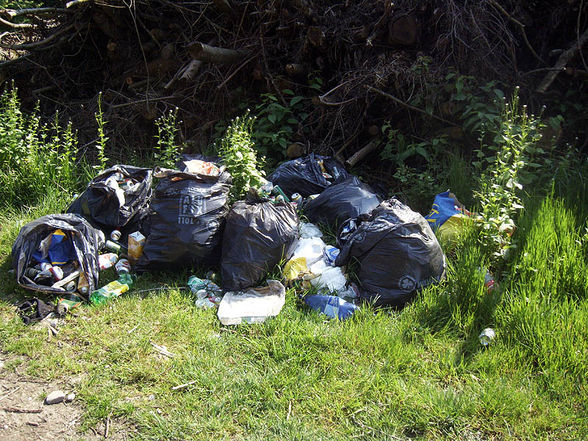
(113, 289)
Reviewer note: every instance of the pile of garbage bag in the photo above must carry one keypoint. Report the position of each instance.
(186, 217)
(397, 253)
(339, 202)
(116, 198)
(308, 175)
(119, 222)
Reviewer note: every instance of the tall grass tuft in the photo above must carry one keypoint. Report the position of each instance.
(34, 157)
(545, 308)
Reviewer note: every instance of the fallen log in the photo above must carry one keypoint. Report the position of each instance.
(218, 55)
(562, 61)
(362, 153)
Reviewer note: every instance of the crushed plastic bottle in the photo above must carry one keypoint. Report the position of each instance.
(113, 289)
(331, 306)
(487, 336)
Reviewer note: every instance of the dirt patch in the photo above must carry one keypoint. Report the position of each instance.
(24, 416)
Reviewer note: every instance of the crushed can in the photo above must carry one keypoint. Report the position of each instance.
(115, 235)
(123, 266)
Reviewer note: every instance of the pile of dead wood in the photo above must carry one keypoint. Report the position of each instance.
(208, 57)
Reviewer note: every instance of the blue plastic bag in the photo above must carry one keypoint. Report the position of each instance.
(59, 252)
(331, 306)
(445, 206)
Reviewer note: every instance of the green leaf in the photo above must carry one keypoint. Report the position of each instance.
(295, 100)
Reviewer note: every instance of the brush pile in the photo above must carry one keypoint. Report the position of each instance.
(355, 63)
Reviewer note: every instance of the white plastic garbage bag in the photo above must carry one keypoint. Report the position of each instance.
(254, 305)
(331, 278)
(308, 230)
(311, 249)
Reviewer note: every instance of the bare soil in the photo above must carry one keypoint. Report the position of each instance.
(24, 416)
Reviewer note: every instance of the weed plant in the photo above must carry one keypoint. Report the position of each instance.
(35, 158)
(239, 156)
(167, 151)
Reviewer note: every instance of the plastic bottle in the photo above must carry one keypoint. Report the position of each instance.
(487, 336)
(112, 290)
(83, 285)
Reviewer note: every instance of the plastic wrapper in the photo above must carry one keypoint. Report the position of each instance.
(116, 198)
(397, 253)
(348, 199)
(186, 219)
(85, 239)
(258, 236)
(254, 305)
(331, 306)
(308, 175)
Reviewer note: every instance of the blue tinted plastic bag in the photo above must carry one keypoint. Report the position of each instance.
(60, 250)
(331, 306)
(445, 206)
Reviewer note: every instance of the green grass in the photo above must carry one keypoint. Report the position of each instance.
(415, 374)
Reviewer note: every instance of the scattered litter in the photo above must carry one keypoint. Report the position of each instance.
(67, 303)
(181, 386)
(331, 253)
(136, 242)
(331, 306)
(113, 289)
(70, 397)
(447, 215)
(162, 350)
(208, 294)
(330, 279)
(311, 249)
(487, 336)
(55, 397)
(107, 260)
(33, 310)
(252, 306)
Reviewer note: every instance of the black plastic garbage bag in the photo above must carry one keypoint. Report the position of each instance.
(346, 200)
(186, 220)
(86, 240)
(116, 197)
(257, 237)
(305, 175)
(397, 252)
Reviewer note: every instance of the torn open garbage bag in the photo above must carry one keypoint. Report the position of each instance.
(396, 250)
(339, 202)
(258, 236)
(308, 175)
(186, 220)
(85, 240)
(115, 198)
(254, 305)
